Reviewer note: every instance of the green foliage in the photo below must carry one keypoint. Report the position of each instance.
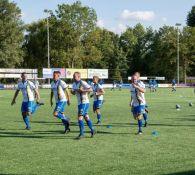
(11, 34)
(191, 17)
(76, 42)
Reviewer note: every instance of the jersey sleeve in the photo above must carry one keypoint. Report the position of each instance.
(100, 87)
(85, 85)
(18, 87)
(64, 85)
(73, 87)
(142, 85)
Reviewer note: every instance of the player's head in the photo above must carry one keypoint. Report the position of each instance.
(77, 76)
(137, 74)
(23, 76)
(134, 79)
(95, 79)
(56, 75)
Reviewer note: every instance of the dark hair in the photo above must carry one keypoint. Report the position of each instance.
(56, 72)
(23, 73)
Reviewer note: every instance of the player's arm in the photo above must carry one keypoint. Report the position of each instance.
(67, 95)
(51, 98)
(131, 101)
(100, 92)
(15, 96)
(141, 89)
(86, 90)
(73, 92)
(37, 95)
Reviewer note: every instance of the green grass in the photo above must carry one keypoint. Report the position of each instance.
(117, 150)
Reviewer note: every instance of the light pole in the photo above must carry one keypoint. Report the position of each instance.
(48, 43)
(177, 25)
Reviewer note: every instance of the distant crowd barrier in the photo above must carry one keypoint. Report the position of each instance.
(106, 86)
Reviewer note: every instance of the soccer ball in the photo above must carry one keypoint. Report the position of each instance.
(190, 104)
(178, 106)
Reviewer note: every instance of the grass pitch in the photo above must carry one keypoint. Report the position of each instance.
(114, 150)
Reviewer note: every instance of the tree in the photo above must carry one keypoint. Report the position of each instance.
(191, 17)
(11, 34)
(35, 45)
(164, 52)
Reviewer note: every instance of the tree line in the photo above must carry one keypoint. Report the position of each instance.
(77, 42)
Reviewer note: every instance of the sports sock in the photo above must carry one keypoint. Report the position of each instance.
(66, 123)
(145, 116)
(140, 125)
(35, 107)
(81, 126)
(26, 121)
(90, 124)
(99, 117)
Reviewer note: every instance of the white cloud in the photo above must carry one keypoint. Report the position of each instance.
(138, 15)
(100, 23)
(164, 19)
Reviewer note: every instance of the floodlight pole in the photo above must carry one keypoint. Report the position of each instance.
(178, 49)
(48, 42)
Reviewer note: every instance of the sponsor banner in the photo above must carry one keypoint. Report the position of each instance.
(29, 76)
(101, 73)
(18, 71)
(48, 73)
(141, 78)
(160, 78)
(70, 72)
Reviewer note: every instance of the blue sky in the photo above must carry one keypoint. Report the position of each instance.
(116, 15)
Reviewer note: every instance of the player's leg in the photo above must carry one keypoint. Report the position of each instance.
(138, 116)
(98, 105)
(24, 110)
(35, 106)
(59, 113)
(145, 116)
(80, 121)
(139, 119)
(87, 119)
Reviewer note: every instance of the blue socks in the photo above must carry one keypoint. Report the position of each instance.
(90, 124)
(26, 121)
(99, 117)
(140, 125)
(145, 116)
(81, 126)
(35, 107)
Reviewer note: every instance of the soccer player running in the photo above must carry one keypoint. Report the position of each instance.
(137, 100)
(29, 92)
(145, 113)
(98, 93)
(173, 85)
(81, 89)
(62, 97)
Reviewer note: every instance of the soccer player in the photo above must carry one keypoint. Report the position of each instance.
(98, 93)
(137, 100)
(29, 92)
(81, 89)
(173, 85)
(145, 113)
(62, 97)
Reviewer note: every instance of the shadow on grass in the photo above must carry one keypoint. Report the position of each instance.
(192, 172)
(32, 136)
(14, 174)
(149, 124)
